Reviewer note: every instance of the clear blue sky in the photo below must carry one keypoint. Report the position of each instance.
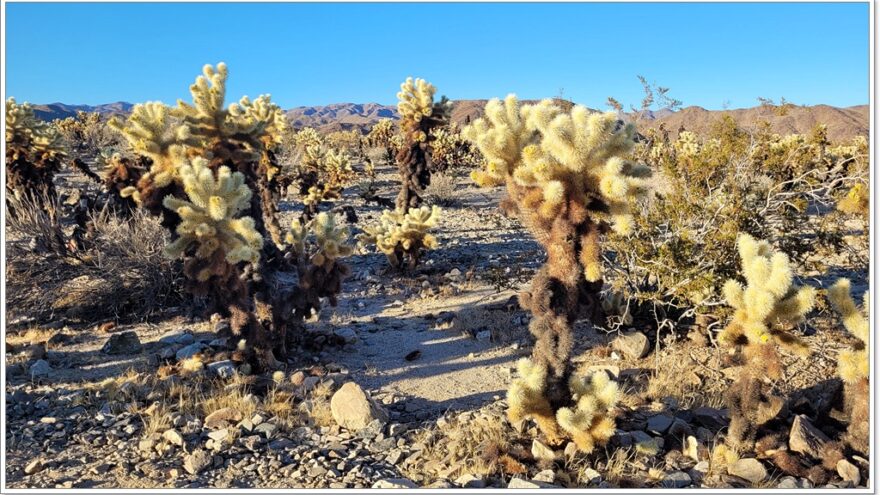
(314, 54)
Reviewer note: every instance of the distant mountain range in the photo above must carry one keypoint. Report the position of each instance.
(842, 123)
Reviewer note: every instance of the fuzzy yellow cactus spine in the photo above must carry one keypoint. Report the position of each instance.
(402, 236)
(210, 219)
(856, 201)
(853, 364)
(419, 114)
(34, 152)
(769, 302)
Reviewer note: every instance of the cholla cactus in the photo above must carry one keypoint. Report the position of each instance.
(856, 201)
(214, 168)
(34, 152)
(307, 137)
(318, 247)
(764, 309)
(450, 149)
(210, 220)
(589, 422)
(402, 236)
(768, 304)
(381, 136)
(852, 364)
(567, 181)
(419, 114)
(337, 166)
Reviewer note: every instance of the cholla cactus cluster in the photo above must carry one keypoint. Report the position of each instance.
(589, 422)
(381, 135)
(450, 149)
(323, 173)
(766, 308)
(566, 179)
(402, 236)
(210, 217)
(319, 244)
(419, 114)
(853, 365)
(214, 178)
(34, 152)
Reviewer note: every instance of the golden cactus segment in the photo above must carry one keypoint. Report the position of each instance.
(852, 363)
(28, 135)
(209, 219)
(150, 132)
(769, 301)
(415, 99)
(399, 235)
(306, 138)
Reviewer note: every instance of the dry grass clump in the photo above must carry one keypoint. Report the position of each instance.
(317, 406)
(442, 190)
(677, 375)
(119, 270)
(482, 446)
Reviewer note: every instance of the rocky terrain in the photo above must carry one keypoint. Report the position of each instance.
(404, 389)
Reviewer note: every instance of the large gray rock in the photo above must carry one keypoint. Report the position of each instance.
(123, 343)
(806, 439)
(352, 409)
(172, 337)
(633, 344)
(221, 418)
(748, 469)
(676, 479)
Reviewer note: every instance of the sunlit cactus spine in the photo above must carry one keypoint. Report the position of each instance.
(419, 114)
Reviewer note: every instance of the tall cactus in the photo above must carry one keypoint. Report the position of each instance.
(766, 309)
(568, 183)
(418, 115)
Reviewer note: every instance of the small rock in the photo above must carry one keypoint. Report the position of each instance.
(849, 472)
(219, 435)
(173, 437)
(310, 382)
(197, 462)
(352, 409)
(346, 334)
(806, 439)
(547, 476)
(268, 430)
(40, 369)
(395, 483)
(529, 484)
(250, 442)
(222, 418)
(659, 423)
(189, 351)
(676, 479)
(542, 452)
(123, 343)
(224, 369)
(790, 482)
(483, 335)
(633, 344)
(711, 418)
(34, 467)
(172, 337)
(748, 469)
(470, 481)
(590, 475)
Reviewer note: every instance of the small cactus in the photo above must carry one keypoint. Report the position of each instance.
(402, 236)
